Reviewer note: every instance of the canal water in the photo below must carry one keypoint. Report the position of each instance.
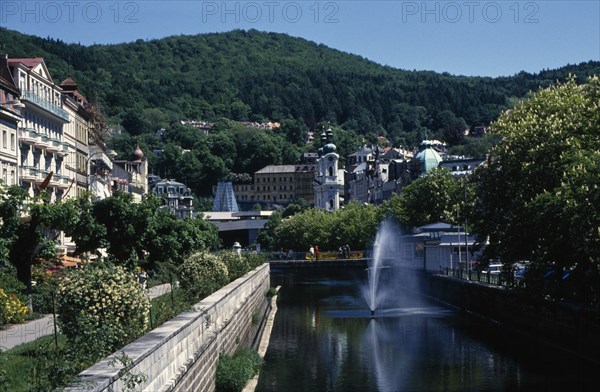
(324, 339)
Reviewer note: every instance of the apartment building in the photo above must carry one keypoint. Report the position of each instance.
(41, 145)
(10, 116)
(76, 134)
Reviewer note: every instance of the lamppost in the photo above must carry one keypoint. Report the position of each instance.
(466, 223)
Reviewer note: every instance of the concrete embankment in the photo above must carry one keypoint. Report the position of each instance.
(182, 354)
(551, 323)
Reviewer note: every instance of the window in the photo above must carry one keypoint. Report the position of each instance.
(330, 171)
(4, 142)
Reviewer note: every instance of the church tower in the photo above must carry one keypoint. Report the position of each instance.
(328, 184)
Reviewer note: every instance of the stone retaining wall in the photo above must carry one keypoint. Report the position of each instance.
(182, 354)
(549, 322)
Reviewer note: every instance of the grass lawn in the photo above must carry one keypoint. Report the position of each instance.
(26, 367)
(38, 365)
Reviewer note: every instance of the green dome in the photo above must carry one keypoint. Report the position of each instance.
(429, 159)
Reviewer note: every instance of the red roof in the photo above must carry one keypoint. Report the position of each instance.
(69, 82)
(29, 63)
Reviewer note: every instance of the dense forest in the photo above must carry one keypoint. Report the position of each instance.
(250, 75)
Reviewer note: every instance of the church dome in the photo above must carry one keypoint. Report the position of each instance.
(138, 154)
(329, 147)
(428, 158)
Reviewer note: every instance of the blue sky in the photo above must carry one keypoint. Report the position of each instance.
(487, 38)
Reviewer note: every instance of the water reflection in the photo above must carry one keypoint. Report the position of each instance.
(325, 340)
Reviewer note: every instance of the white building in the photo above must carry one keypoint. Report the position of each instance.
(329, 179)
(132, 176)
(76, 136)
(10, 117)
(40, 138)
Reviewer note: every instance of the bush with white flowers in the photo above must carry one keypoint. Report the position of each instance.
(101, 308)
(202, 274)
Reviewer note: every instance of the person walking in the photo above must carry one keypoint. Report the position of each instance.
(311, 253)
(317, 252)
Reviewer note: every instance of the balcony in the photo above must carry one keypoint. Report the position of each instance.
(64, 149)
(59, 181)
(27, 173)
(30, 96)
(41, 176)
(42, 141)
(54, 145)
(28, 135)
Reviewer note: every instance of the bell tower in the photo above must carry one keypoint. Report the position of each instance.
(328, 184)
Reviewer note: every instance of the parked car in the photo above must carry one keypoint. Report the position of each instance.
(493, 269)
(519, 269)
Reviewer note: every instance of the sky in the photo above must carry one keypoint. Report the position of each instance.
(483, 38)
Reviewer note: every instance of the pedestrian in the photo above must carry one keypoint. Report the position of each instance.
(347, 251)
(142, 278)
(311, 253)
(317, 252)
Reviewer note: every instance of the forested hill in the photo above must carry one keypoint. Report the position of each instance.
(251, 75)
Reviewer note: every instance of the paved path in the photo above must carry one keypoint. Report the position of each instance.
(13, 335)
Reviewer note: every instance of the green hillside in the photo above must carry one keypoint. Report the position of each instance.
(252, 75)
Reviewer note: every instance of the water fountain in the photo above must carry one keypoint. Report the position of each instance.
(386, 254)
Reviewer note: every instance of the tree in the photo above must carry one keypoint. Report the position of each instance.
(538, 197)
(170, 240)
(126, 224)
(83, 228)
(267, 236)
(431, 199)
(354, 224)
(23, 221)
(300, 231)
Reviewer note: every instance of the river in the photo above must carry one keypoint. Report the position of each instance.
(324, 339)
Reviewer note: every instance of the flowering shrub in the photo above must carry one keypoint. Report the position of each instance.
(12, 310)
(236, 264)
(202, 274)
(101, 308)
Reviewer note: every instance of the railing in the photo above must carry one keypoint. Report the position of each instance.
(28, 135)
(42, 141)
(44, 104)
(63, 149)
(54, 145)
(28, 173)
(477, 276)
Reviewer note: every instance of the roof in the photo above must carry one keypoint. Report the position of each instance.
(69, 82)
(429, 159)
(272, 169)
(438, 226)
(456, 239)
(28, 62)
(6, 79)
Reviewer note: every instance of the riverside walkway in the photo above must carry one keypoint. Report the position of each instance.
(319, 263)
(15, 334)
